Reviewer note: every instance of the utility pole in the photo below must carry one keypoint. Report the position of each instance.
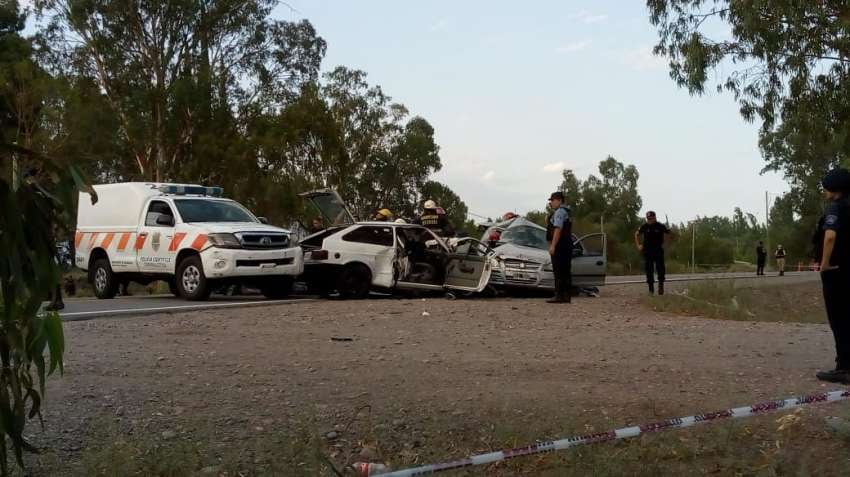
(693, 247)
(767, 224)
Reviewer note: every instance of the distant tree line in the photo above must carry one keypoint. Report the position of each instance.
(610, 202)
(214, 92)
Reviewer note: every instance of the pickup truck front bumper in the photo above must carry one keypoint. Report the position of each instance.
(227, 263)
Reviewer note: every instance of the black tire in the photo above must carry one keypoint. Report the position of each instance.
(172, 287)
(191, 282)
(355, 281)
(277, 288)
(103, 279)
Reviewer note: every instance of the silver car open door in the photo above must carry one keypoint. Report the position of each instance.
(331, 206)
(590, 259)
(469, 266)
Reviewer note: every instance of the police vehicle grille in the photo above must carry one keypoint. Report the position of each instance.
(261, 241)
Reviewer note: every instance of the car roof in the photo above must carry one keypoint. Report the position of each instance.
(387, 224)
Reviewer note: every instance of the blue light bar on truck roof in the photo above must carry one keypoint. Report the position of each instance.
(175, 189)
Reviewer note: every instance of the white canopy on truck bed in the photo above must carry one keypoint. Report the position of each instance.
(118, 206)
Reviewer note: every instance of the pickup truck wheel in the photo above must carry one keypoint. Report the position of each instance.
(103, 279)
(191, 282)
(278, 288)
(355, 281)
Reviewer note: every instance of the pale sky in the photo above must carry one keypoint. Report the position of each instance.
(519, 90)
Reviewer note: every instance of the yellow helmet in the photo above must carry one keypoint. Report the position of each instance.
(385, 212)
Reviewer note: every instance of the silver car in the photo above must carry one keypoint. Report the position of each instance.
(525, 262)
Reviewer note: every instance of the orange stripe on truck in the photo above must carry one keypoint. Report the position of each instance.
(175, 242)
(122, 243)
(107, 241)
(199, 242)
(93, 240)
(140, 241)
(78, 237)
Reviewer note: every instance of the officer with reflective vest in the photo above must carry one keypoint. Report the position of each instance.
(559, 234)
(832, 250)
(433, 220)
(780, 260)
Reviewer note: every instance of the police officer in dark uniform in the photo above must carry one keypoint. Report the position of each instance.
(761, 258)
(649, 239)
(832, 247)
(433, 220)
(559, 234)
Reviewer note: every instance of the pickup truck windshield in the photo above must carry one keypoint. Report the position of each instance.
(204, 210)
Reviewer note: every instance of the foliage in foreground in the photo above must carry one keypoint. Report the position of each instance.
(28, 273)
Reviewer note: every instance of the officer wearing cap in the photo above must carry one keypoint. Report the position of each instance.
(649, 240)
(559, 234)
(832, 247)
(432, 219)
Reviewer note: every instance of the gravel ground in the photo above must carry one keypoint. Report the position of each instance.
(420, 373)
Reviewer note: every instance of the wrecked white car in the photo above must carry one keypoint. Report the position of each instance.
(525, 262)
(354, 258)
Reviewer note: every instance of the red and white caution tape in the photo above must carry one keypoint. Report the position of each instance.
(624, 433)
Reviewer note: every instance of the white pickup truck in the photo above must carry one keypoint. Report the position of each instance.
(186, 235)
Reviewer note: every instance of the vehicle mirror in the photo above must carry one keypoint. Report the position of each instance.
(167, 220)
(263, 220)
(578, 252)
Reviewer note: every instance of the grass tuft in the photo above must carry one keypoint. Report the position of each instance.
(744, 301)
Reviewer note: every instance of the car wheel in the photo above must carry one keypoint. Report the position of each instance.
(191, 282)
(355, 281)
(103, 279)
(277, 288)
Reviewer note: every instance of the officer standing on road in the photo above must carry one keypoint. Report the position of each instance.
(780, 260)
(761, 258)
(649, 239)
(559, 234)
(832, 243)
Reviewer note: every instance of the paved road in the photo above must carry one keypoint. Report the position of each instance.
(88, 308)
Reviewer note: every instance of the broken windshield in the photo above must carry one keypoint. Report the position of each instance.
(525, 236)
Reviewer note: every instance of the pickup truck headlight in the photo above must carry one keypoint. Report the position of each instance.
(224, 240)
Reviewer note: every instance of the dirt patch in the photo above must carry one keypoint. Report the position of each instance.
(269, 391)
